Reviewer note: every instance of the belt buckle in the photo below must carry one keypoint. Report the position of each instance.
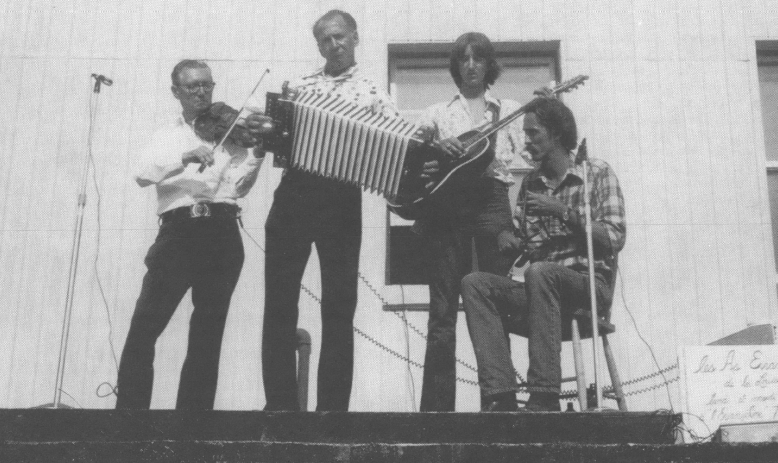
(199, 210)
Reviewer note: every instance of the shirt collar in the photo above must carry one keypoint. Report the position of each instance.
(347, 74)
(573, 171)
(490, 100)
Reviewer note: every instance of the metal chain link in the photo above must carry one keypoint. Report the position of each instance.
(382, 346)
(417, 330)
(651, 375)
(610, 390)
(651, 388)
(522, 382)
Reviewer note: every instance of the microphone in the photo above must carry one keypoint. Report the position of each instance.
(101, 79)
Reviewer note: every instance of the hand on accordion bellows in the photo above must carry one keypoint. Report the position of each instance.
(425, 133)
(202, 154)
(429, 169)
(258, 124)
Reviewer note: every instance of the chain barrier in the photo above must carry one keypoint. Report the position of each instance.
(405, 319)
(652, 375)
(610, 390)
(522, 383)
(382, 346)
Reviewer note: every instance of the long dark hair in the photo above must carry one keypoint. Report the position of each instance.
(482, 48)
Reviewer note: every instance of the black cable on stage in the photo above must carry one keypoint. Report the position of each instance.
(650, 350)
(92, 115)
(408, 348)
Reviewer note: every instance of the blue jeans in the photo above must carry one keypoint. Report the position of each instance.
(496, 306)
(450, 238)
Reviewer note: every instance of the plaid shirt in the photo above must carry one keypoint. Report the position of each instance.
(549, 239)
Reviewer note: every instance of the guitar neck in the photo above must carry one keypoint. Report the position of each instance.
(489, 130)
(499, 125)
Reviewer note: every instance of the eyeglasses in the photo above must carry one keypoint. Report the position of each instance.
(194, 88)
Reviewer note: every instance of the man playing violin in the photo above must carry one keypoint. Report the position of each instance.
(198, 245)
(308, 209)
(477, 212)
(550, 214)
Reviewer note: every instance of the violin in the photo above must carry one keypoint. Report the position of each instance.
(215, 122)
(221, 122)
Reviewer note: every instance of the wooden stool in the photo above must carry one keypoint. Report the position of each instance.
(583, 319)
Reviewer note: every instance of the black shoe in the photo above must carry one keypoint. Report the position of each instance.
(542, 402)
(503, 402)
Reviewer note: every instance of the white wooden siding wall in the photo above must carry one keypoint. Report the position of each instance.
(672, 104)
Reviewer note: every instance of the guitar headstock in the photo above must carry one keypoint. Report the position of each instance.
(570, 84)
(564, 87)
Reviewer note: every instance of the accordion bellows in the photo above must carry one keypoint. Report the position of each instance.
(335, 138)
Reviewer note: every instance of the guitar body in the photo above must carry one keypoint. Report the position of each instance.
(415, 200)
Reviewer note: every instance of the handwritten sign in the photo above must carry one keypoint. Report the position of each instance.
(727, 385)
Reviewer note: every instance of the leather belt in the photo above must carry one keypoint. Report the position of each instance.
(200, 210)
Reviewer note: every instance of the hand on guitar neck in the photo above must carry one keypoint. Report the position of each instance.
(511, 245)
(518, 249)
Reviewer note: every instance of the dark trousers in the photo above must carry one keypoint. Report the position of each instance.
(205, 254)
(311, 210)
(478, 220)
(496, 305)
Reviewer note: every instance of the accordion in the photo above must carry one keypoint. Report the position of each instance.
(329, 136)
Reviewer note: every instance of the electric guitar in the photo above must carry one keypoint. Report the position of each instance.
(420, 197)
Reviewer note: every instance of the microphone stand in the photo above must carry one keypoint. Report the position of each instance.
(74, 254)
(583, 158)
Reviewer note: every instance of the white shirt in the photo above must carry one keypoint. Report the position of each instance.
(452, 118)
(231, 176)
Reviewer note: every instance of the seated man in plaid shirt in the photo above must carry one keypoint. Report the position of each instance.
(551, 235)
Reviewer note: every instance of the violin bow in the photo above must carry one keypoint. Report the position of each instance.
(235, 122)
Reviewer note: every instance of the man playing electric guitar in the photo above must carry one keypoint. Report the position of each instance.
(552, 232)
(477, 209)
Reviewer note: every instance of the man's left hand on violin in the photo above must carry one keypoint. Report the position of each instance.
(258, 124)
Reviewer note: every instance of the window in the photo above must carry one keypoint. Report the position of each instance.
(418, 77)
(767, 63)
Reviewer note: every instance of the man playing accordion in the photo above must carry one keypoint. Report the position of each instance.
(309, 209)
